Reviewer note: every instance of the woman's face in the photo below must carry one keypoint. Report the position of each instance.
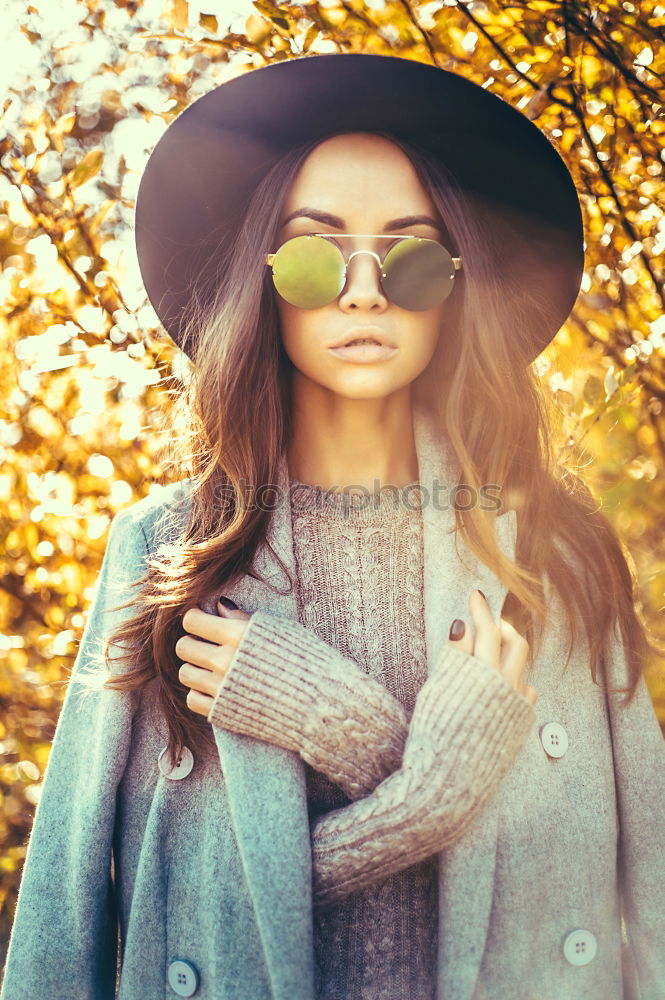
(370, 186)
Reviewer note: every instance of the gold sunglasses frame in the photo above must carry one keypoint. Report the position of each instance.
(457, 261)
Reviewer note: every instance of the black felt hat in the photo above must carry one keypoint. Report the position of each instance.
(204, 168)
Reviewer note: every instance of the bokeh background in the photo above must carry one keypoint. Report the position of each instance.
(87, 375)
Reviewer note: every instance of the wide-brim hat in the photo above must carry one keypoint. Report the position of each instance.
(200, 175)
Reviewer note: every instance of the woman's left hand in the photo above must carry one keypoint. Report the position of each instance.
(205, 664)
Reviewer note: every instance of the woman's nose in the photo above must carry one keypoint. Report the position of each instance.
(363, 282)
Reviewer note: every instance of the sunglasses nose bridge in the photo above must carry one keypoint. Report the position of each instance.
(356, 253)
(370, 252)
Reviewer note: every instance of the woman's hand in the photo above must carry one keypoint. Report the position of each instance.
(499, 646)
(206, 663)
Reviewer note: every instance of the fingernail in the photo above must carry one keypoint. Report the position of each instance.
(226, 602)
(481, 594)
(457, 629)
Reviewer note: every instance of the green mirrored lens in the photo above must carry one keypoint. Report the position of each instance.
(417, 274)
(308, 271)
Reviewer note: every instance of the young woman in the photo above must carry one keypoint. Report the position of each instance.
(368, 736)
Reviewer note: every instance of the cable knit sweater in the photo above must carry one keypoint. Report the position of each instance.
(359, 566)
(360, 589)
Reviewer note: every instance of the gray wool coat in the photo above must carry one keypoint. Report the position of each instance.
(555, 891)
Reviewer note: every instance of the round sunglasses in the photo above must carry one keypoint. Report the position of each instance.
(310, 271)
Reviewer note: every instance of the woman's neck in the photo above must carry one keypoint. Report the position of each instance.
(342, 442)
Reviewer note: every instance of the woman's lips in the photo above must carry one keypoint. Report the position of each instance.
(363, 352)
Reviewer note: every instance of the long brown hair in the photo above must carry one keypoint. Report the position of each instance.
(234, 422)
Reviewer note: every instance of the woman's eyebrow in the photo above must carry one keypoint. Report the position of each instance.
(338, 223)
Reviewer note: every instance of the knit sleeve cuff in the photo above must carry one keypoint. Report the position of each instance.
(286, 686)
(478, 715)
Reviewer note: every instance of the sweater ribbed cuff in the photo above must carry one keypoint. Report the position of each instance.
(286, 686)
(482, 719)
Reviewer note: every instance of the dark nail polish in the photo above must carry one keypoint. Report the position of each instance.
(481, 593)
(228, 603)
(457, 629)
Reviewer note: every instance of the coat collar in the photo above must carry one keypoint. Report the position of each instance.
(266, 784)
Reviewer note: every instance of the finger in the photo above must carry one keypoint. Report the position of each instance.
(199, 703)
(232, 612)
(530, 694)
(514, 653)
(478, 604)
(465, 643)
(213, 627)
(200, 679)
(487, 643)
(203, 654)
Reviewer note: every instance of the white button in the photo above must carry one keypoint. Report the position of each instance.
(554, 739)
(182, 768)
(183, 978)
(579, 947)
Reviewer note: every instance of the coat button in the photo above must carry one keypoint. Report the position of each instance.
(579, 947)
(183, 978)
(181, 769)
(554, 739)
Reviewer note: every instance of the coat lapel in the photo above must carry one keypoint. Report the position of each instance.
(450, 572)
(466, 867)
(266, 784)
(267, 791)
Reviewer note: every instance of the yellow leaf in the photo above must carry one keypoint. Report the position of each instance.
(209, 22)
(65, 123)
(567, 140)
(90, 165)
(591, 71)
(257, 29)
(312, 33)
(180, 15)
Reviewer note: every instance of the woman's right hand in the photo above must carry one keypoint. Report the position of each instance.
(499, 646)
